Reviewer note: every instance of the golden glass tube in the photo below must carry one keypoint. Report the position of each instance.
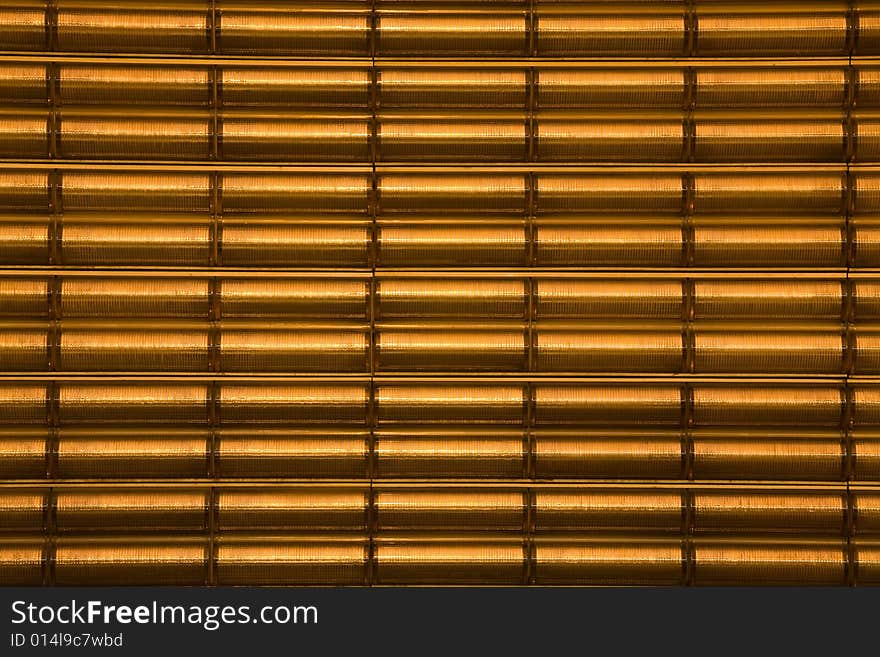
(23, 453)
(724, 88)
(770, 562)
(866, 454)
(776, 405)
(255, 86)
(133, 560)
(441, 242)
(285, 242)
(583, 348)
(135, 452)
(21, 561)
(448, 560)
(769, 193)
(609, 562)
(773, 241)
(450, 193)
(775, 29)
(270, 29)
(445, 298)
(630, 29)
(561, 298)
(594, 510)
(279, 560)
(572, 89)
(594, 242)
(460, 404)
(87, 25)
(773, 454)
(619, 138)
(449, 453)
(294, 403)
(651, 404)
(607, 454)
(291, 509)
(130, 84)
(659, 193)
(443, 34)
(448, 510)
(760, 511)
(335, 453)
(134, 240)
(294, 193)
(23, 82)
(132, 510)
(22, 25)
(428, 88)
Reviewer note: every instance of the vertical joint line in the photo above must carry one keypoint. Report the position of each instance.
(847, 432)
(217, 219)
(53, 236)
(53, 335)
(214, 255)
(688, 194)
(690, 26)
(528, 455)
(51, 520)
(50, 464)
(687, 561)
(687, 543)
(374, 32)
(687, 401)
(372, 421)
(531, 288)
(531, 116)
(850, 512)
(529, 505)
(850, 124)
(52, 436)
(688, 346)
(372, 356)
(213, 401)
(214, 365)
(532, 25)
(53, 297)
(687, 454)
(852, 30)
(213, 428)
(51, 26)
(530, 335)
(214, 423)
(53, 98)
(211, 518)
(689, 136)
(52, 133)
(211, 455)
(851, 520)
(53, 344)
(530, 230)
(212, 27)
(849, 335)
(690, 89)
(371, 519)
(687, 442)
(373, 200)
(216, 121)
(529, 405)
(849, 204)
